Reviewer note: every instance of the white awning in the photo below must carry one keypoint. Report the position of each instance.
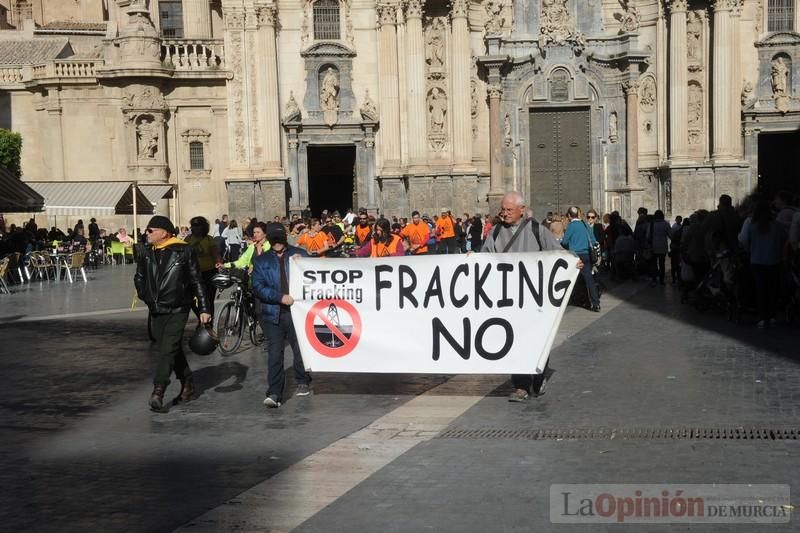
(90, 198)
(155, 193)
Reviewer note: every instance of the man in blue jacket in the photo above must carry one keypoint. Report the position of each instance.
(271, 288)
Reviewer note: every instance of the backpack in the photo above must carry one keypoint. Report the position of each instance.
(534, 228)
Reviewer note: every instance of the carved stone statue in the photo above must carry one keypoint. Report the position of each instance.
(613, 133)
(437, 108)
(292, 109)
(147, 133)
(474, 100)
(328, 100)
(434, 53)
(507, 138)
(694, 29)
(695, 116)
(494, 17)
(369, 111)
(629, 19)
(779, 73)
(647, 94)
(747, 93)
(556, 21)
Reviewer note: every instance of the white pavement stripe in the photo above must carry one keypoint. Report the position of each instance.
(289, 498)
(44, 318)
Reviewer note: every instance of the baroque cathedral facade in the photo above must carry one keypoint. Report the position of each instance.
(270, 107)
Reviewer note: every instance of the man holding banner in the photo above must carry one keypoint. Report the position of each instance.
(517, 233)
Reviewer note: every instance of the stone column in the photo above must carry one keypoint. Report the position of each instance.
(460, 86)
(678, 81)
(390, 105)
(722, 84)
(736, 78)
(269, 101)
(631, 89)
(196, 19)
(415, 63)
(495, 148)
(294, 177)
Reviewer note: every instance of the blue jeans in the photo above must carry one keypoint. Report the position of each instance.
(586, 272)
(276, 336)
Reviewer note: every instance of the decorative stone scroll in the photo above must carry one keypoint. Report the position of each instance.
(292, 113)
(695, 115)
(368, 110)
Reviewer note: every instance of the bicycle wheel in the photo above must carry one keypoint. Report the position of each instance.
(256, 335)
(150, 327)
(229, 328)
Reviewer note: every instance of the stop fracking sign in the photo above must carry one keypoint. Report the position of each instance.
(445, 314)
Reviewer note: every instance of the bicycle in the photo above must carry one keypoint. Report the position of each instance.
(237, 314)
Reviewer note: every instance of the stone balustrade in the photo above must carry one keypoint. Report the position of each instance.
(191, 54)
(67, 68)
(11, 74)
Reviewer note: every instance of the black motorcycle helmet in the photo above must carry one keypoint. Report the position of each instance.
(204, 341)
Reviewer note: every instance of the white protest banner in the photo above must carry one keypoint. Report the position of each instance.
(443, 314)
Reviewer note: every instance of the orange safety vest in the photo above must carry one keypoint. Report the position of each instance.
(382, 250)
(444, 227)
(362, 234)
(315, 243)
(417, 234)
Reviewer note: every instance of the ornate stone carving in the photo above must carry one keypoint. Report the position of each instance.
(435, 53)
(292, 109)
(474, 100)
(145, 98)
(458, 9)
(759, 22)
(557, 24)
(494, 91)
(723, 5)
(368, 110)
(414, 9)
(495, 19)
(630, 87)
(305, 23)
(147, 134)
(695, 115)
(647, 94)
(508, 140)
(266, 15)
(329, 97)
(747, 93)
(629, 19)
(613, 127)
(559, 85)
(694, 32)
(235, 94)
(234, 19)
(437, 119)
(386, 14)
(676, 6)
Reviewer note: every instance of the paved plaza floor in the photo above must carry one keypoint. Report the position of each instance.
(634, 395)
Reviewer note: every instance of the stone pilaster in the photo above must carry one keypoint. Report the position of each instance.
(196, 19)
(723, 84)
(461, 88)
(495, 148)
(390, 105)
(678, 81)
(734, 96)
(415, 63)
(238, 127)
(268, 94)
(631, 90)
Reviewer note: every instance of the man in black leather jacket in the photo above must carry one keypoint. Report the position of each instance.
(168, 280)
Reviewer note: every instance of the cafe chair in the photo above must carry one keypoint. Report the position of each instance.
(75, 262)
(3, 273)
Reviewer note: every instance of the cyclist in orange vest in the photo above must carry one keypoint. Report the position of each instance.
(418, 233)
(315, 241)
(384, 243)
(445, 230)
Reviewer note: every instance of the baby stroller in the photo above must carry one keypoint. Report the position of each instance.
(721, 288)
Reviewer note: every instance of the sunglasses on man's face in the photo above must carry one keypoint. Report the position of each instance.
(591, 217)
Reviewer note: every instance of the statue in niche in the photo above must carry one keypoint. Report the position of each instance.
(695, 117)
(494, 17)
(328, 100)
(437, 108)
(613, 134)
(507, 138)
(147, 132)
(694, 29)
(779, 74)
(434, 54)
(647, 94)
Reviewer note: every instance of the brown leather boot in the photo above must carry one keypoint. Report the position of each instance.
(187, 391)
(157, 398)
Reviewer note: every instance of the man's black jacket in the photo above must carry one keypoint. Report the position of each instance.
(168, 279)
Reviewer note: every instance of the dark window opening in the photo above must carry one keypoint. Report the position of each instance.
(780, 15)
(326, 20)
(196, 156)
(331, 176)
